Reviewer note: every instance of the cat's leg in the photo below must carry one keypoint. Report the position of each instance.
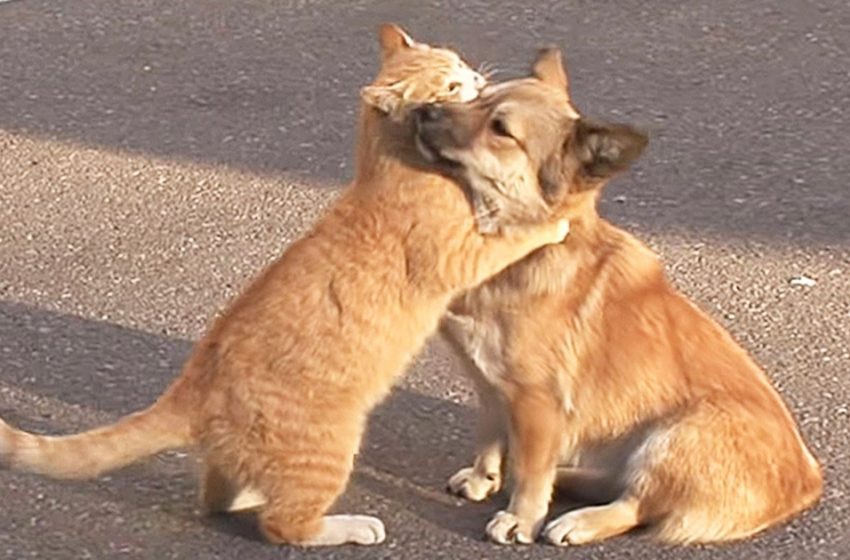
(497, 252)
(348, 529)
(221, 494)
(302, 482)
(304, 524)
(476, 258)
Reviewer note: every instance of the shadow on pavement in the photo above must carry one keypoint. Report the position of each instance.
(61, 373)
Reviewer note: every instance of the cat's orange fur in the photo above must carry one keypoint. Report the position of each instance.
(277, 393)
(591, 368)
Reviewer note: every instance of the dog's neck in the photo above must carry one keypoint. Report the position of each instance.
(592, 247)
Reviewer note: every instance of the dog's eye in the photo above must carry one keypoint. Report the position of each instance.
(500, 128)
(454, 86)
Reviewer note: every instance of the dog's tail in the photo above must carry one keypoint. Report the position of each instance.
(164, 425)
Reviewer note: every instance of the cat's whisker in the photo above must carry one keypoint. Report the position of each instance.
(488, 70)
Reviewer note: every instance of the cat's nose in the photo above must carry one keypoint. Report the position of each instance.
(429, 113)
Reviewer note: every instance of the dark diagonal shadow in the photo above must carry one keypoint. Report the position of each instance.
(61, 373)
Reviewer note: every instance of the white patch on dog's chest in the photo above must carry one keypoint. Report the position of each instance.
(484, 343)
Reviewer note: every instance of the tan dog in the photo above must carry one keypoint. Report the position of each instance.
(277, 393)
(585, 356)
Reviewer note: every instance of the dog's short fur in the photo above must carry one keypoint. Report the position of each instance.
(277, 393)
(585, 358)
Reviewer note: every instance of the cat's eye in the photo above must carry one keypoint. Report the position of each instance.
(500, 128)
(454, 86)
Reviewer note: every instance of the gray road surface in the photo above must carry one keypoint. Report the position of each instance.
(155, 154)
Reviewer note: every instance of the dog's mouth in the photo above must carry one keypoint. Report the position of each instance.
(430, 152)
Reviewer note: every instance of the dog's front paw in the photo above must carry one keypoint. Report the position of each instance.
(474, 486)
(567, 530)
(507, 528)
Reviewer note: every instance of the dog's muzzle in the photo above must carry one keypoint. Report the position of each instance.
(428, 113)
(429, 128)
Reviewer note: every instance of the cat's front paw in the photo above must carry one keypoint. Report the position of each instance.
(563, 229)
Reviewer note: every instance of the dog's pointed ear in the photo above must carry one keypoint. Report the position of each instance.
(603, 150)
(383, 98)
(392, 39)
(549, 69)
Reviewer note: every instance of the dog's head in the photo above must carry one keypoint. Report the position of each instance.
(522, 148)
(413, 72)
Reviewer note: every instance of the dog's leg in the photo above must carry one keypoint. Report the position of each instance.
(536, 427)
(484, 478)
(587, 485)
(572, 477)
(592, 524)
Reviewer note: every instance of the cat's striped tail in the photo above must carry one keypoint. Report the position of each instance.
(164, 425)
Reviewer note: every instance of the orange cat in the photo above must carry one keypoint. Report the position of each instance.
(277, 394)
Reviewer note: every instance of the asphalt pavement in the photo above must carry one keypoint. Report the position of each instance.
(154, 155)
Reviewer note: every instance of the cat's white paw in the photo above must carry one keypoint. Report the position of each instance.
(344, 529)
(563, 230)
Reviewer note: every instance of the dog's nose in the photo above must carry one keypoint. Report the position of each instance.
(429, 113)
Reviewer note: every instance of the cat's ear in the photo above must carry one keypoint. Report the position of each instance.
(392, 39)
(383, 98)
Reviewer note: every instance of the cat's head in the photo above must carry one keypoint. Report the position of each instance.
(413, 73)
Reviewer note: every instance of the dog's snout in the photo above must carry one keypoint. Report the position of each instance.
(429, 113)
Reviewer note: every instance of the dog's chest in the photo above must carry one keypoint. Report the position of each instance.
(483, 341)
